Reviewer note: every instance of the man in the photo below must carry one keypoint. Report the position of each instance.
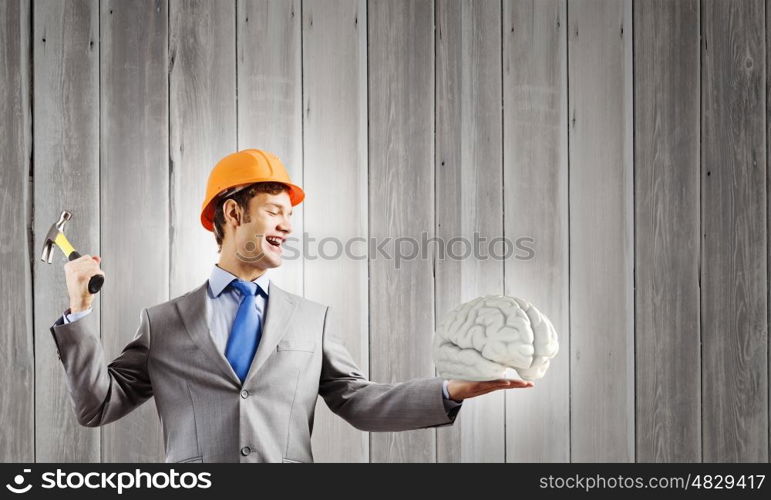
(236, 365)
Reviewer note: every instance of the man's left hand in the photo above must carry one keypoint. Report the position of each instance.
(459, 390)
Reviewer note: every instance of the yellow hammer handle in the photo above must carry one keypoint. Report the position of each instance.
(63, 243)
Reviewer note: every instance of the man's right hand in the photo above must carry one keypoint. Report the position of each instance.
(77, 274)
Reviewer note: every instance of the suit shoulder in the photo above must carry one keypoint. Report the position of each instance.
(308, 304)
(163, 309)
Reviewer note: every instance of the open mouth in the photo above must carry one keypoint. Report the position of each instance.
(275, 243)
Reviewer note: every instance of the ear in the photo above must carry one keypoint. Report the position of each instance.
(232, 212)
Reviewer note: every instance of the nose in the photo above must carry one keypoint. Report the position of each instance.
(285, 226)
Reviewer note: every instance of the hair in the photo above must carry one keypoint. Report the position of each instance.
(242, 198)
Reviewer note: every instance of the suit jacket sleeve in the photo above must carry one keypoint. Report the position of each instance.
(371, 406)
(103, 393)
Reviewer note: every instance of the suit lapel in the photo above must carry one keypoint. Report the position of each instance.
(192, 310)
(281, 306)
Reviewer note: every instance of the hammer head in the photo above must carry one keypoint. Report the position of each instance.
(56, 228)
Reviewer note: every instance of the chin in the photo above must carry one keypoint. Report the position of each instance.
(269, 261)
(272, 263)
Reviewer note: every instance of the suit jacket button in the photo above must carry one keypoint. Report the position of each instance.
(244, 394)
(245, 450)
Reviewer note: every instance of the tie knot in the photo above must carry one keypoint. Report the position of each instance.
(245, 287)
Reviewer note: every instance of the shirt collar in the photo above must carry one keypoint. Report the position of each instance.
(220, 279)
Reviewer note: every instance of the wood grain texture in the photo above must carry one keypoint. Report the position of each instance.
(270, 104)
(536, 213)
(202, 126)
(335, 150)
(17, 363)
(66, 173)
(134, 196)
(469, 196)
(134, 102)
(601, 229)
(668, 423)
(734, 300)
(401, 205)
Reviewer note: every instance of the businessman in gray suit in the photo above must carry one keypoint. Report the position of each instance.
(236, 364)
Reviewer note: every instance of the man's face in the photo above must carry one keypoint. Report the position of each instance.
(263, 230)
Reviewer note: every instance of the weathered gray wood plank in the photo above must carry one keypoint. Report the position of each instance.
(768, 203)
(66, 138)
(135, 196)
(401, 186)
(335, 168)
(17, 363)
(668, 351)
(202, 126)
(270, 104)
(601, 229)
(734, 299)
(468, 194)
(536, 213)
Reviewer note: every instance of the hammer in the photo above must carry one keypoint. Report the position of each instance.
(56, 236)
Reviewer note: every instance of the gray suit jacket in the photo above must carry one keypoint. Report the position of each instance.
(205, 412)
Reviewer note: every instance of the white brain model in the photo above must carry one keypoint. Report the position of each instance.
(486, 338)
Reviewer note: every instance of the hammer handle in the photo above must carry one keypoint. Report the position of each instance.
(96, 281)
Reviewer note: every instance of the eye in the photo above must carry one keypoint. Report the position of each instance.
(272, 213)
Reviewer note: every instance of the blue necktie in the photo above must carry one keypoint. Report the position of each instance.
(245, 333)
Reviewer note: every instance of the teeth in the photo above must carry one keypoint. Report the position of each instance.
(273, 240)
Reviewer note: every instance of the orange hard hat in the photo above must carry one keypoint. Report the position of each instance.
(241, 169)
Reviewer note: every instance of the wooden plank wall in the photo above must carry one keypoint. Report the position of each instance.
(134, 188)
(17, 400)
(667, 187)
(66, 172)
(401, 156)
(768, 212)
(535, 172)
(601, 243)
(621, 146)
(469, 194)
(734, 299)
(335, 151)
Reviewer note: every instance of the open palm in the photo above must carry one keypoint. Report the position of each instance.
(464, 389)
